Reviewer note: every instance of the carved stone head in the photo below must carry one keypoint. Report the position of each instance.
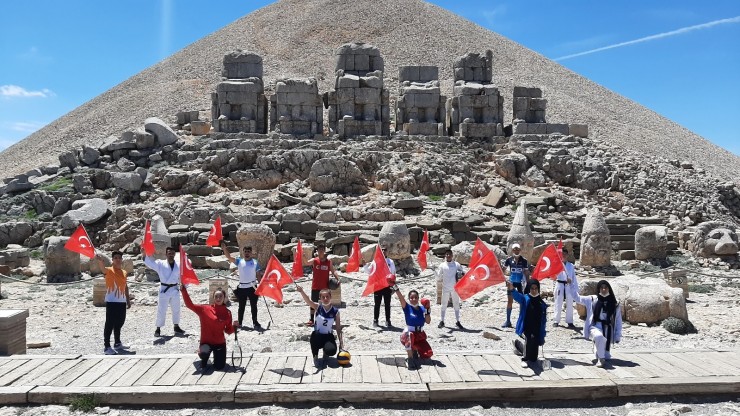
(596, 243)
(715, 239)
(395, 238)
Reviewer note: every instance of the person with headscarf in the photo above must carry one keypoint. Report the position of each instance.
(532, 320)
(603, 320)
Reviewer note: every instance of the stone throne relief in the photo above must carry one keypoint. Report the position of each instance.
(239, 103)
(420, 108)
(476, 109)
(359, 105)
(296, 107)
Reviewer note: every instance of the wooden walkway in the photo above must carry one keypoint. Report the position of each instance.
(373, 376)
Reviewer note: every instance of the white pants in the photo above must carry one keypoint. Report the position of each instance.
(169, 298)
(558, 294)
(599, 339)
(455, 303)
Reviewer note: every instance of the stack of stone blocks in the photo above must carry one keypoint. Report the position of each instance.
(529, 115)
(476, 109)
(420, 108)
(13, 331)
(359, 105)
(296, 107)
(239, 103)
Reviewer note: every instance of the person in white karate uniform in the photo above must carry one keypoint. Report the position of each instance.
(603, 320)
(563, 282)
(447, 274)
(169, 291)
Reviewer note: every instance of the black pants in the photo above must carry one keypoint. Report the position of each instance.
(385, 295)
(115, 316)
(531, 346)
(314, 297)
(219, 356)
(243, 294)
(319, 340)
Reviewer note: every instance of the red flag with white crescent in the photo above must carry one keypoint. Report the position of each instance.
(353, 264)
(273, 280)
(423, 248)
(479, 250)
(148, 244)
(560, 249)
(216, 234)
(549, 264)
(379, 274)
(486, 272)
(297, 270)
(187, 273)
(79, 242)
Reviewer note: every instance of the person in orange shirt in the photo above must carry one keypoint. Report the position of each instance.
(117, 300)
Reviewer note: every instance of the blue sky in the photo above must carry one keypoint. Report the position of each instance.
(678, 58)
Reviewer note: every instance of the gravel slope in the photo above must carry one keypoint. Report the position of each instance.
(298, 37)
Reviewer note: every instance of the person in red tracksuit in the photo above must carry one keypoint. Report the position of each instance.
(215, 320)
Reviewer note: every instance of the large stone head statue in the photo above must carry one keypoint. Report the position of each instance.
(715, 239)
(521, 233)
(394, 236)
(596, 243)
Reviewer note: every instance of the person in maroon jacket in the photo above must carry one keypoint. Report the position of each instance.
(215, 320)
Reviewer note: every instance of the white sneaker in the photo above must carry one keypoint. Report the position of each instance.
(525, 364)
(110, 351)
(600, 363)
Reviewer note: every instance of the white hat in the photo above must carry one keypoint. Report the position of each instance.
(515, 245)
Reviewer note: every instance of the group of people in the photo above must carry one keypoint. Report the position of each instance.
(603, 320)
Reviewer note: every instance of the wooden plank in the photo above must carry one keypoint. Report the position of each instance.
(626, 361)
(388, 369)
(94, 373)
(175, 372)
(232, 376)
(14, 395)
(137, 370)
(26, 365)
(463, 368)
(370, 369)
(563, 367)
(407, 376)
(678, 386)
(63, 367)
(211, 376)
(647, 366)
(255, 369)
(11, 365)
(545, 390)
(483, 368)
(311, 374)
(155, 372)
(30, 379)
(352, 373)
(446, 370)
(515, 362)
(715, 368)
(136, 395)
(686, 364)
(428, 372)
(724, 359)
(74, 372)
(273, 370)
(668, 368)
(120, 367)
(332, 372)
(293, 372)
(332, 392)
(502, 368)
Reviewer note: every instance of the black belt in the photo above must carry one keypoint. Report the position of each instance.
(168, 286)
(561, 282)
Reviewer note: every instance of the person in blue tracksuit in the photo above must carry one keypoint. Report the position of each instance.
(532, 320)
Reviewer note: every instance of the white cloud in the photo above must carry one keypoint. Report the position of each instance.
(16, 91)
(680, 31)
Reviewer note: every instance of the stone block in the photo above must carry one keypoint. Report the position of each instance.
(556, 128)
(13, 331)
(580, 130)
(200, 128)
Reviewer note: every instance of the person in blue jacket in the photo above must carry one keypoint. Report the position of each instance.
(532, 320)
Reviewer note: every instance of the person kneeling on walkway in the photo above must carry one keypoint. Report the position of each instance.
(215, 320)
(325, 319)
(532, 320)
(603, 320)
(413, 337)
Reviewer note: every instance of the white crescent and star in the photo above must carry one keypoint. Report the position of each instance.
(213, 231)
(547, 264)
(371, 269)
(486, 269)
(277, 279)
(81, 240)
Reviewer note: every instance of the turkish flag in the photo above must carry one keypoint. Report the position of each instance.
(479, 250)
(353, 264)
(187, 273)
(379, 273)
(560, 249)
(486, 272)
(216, 235)
(273, 280)
(79, 242)
(423, 248)
(148, 244)
(297, 270)
(549, 264)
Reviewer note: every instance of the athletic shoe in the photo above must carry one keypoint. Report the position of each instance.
(411, 364)
(119, 346)
(388, 324)
(571, 326)
(157, 333)
(257, 326)
(459, 325)
(555, 324)
(506, 324)
(600, 363)
(110, 351)
(441, 324)
(178, 330)
(525, 364)
(375, 324)
(518, 347)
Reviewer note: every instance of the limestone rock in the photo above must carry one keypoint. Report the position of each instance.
(164, 134)
(715, 239)
(62, 205)
(89, 155)
(394, 236)
(521, 232)
(68, 159)
(262, 240)
(62, 265)
(85, 211)
(495, 196)
(463, 251)
(130, 181)
(335, 174)
(14, 232)
(595, 241)
(651, 242)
